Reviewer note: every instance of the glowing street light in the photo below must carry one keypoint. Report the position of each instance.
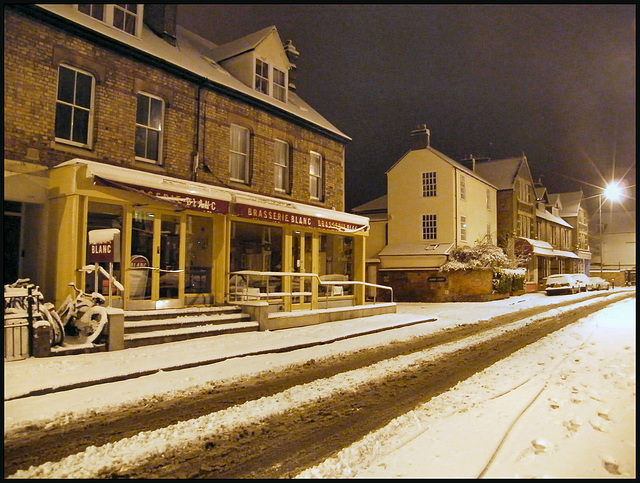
(611, 192)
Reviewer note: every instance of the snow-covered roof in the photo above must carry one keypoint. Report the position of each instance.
(545, 215)
(374, 206)
(416, 249)
(569, 202)
(502, 172)
(194, 55)
(241, 45)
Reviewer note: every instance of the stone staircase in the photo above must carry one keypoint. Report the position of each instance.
(142, 327)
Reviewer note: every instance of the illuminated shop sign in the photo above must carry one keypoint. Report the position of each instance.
(288, 218)
(186, 201)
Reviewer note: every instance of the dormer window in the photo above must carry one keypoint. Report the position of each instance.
(123, 16)
(270, 81)
(262, 77)
(279, 85)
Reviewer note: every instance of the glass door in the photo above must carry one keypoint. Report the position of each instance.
(156, 273)
(302, 259)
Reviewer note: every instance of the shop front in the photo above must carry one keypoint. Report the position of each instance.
(182, 243)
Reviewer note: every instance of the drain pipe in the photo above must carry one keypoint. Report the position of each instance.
(196, 154)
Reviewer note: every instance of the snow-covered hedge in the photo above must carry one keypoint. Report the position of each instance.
(507, 277)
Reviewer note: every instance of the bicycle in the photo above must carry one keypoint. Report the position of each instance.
(83, 316)
(16, 307)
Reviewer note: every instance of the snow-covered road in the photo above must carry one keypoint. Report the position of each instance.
(375, 458)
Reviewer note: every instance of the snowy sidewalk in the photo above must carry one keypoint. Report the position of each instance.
(35, 376)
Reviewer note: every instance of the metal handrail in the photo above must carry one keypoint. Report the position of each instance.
(249, 273)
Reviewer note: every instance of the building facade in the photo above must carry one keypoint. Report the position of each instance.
(170, 161)
(433, 204)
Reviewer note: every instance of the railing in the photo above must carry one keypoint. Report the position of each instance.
(267, 294)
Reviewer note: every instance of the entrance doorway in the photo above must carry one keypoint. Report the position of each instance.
(302, 263)
(156, 273)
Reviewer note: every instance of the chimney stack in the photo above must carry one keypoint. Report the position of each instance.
(162, 19)
(292, 55)
(420, 137)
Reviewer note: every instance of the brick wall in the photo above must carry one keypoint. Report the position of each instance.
(435, 286)
(33, 51)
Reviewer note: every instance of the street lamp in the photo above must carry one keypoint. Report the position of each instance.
(611, 192)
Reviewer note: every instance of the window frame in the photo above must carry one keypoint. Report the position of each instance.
(282, 167)
(280, 88)
(318, 192)
(237, 153)
(110, 13)
(463, 187)
(149, 128)
(262, 79)
(430, 227)
(90, 110)
(429, 184)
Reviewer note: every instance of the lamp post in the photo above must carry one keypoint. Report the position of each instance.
(611, 192)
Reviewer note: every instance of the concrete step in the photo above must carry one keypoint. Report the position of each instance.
(149, 327)
(182, 321)
(172, 335)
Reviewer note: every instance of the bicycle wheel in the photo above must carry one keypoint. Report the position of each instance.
(91, 324)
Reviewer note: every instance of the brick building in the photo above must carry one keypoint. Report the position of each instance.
(189, 161)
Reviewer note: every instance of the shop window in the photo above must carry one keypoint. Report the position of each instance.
(336, 262)
(103, 216)
(74, 106)
(199, 255)
(256, 247)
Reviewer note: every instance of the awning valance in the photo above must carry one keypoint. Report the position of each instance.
(197, 196)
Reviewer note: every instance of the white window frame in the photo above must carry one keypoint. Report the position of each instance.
(261, 79)
(429, 227)
(111, 12)
(281, 165)
(239, 155)
(316, 175)
(76, 108)
(429, 184)
(280, 91)
(463, 187)
(148, 128)
(463, 228)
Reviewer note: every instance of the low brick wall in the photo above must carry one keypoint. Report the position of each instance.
(436, 286)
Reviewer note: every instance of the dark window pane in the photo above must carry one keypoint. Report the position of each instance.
(118, 18)
(156, 114)
(152, 145)
(141, 142)
(83, 90)
(81, 126)
(142, 113)
(63, 121)
(66, 82)
(130, 24)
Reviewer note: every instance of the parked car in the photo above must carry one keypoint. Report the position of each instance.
(600, 283)
(584, 282)
(561, 283)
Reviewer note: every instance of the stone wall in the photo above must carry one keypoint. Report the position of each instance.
(436, 286)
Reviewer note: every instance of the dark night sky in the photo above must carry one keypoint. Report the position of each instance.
(556, 82)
